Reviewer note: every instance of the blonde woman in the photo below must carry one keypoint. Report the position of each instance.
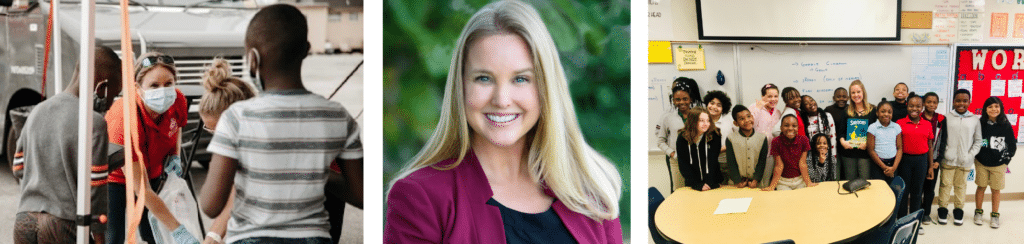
(507, 148)
(860, 114)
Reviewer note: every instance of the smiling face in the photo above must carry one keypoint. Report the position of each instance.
(884, 113)
(840, 97)
(789, 127)
(501, 95)
(703, 123)
(960, 102)
(771, 98)
(900, 92)
(793, 100)
(810, 106)
(857, 94)
(993, 111)
(822, 145)
(931, 103)
(744, 120)
(914, 107)
(681, 99)
(715, 107)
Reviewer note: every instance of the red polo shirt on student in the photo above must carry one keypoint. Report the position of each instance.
(915, 136)
(159, 136)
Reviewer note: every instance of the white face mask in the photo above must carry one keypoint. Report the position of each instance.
(159, 99)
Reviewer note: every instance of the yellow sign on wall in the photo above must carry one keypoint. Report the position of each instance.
(659, 52)
(689, 58)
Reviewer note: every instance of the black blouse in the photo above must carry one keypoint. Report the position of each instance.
(545, 227)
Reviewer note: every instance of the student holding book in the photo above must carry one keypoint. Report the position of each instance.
(998, 146)
(790, 153)
(818, 122)
(963, 141)
(859, 115)
(698, 147)
(938, 150)
(747, 152)
(913, 167)
(885, 145)
(821, 164)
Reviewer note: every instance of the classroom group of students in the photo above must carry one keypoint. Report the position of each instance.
(802, 145)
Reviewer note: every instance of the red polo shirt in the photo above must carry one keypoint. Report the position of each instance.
(915, 136)
(158, 136)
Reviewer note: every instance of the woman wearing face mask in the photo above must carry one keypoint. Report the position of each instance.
(161, 113)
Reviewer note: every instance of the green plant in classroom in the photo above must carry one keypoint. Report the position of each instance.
(593, 42)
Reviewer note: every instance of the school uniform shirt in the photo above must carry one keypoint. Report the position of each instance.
(450, 206)
(885, 138)
(284, 142)
(697, 161)
(816, 125)
(747, 157)
(790, 150)
(998, 144)
(861, 152)
(821, 169)
(915, 136)
(938, 147)
(764, 119)
(963, 140)
(158, 136)
(668, 130)
(899, 110)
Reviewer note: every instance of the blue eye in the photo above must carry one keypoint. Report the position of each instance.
(483, 79)
(521, 79)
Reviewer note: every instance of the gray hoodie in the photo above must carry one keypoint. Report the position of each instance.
(963, 139)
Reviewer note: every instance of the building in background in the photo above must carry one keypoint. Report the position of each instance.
(335, 26)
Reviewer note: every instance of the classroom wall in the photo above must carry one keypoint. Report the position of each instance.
(680, 17)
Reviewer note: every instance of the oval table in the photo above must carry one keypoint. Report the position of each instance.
(809, 215)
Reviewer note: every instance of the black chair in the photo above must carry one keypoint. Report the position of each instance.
(654, 199)
(788, 241)
(905, 229)
(883, 234)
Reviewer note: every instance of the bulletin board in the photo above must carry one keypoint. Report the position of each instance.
(992, 70)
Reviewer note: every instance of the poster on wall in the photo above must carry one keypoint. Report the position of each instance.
(988, 71)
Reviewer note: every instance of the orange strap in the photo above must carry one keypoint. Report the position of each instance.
(132, 168)
(46, 54)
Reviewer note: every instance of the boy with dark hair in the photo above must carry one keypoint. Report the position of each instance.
(281, 143)
(747, 152)
(46, 159)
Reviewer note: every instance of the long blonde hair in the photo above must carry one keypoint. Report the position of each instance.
(559, 157)
(222, 89)
(867, 106)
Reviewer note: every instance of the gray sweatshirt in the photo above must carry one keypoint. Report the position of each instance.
(963, 139)
(47, 163)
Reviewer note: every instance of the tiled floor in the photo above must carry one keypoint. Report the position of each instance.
(1011, 229)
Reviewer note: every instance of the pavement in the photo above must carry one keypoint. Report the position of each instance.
(321, 74)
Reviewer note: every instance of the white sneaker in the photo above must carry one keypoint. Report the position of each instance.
(995, 221)
(920, 231)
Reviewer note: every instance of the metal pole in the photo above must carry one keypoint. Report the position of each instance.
(57, 74)
(86, 53)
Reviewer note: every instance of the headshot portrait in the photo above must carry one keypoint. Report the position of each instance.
(505, 122)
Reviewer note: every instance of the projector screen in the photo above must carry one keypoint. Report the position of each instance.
(799, 20)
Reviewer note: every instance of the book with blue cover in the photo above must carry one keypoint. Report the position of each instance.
(857, 131)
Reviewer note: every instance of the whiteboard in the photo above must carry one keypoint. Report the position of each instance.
(717, 57)
(816, 70)
(799, 20)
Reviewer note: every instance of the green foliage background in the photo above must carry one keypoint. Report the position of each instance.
(593, 42)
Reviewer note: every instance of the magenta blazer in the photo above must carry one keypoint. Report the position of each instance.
(450, 206)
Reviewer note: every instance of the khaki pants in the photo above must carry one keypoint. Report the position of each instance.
(794, 183)
(675, 174)
(986, 176)
(953, 177)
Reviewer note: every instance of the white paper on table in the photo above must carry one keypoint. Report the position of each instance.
(998, 88)
(1015, 88)
(1012, 118)
(733, 205)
